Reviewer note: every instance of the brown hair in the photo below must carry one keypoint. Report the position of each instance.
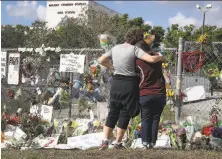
(133, 36)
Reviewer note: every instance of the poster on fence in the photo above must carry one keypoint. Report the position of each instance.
(3, 64)
(43, 111)
(13, 68)
(72, 63)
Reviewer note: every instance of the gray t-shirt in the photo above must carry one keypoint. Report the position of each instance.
(124, 58)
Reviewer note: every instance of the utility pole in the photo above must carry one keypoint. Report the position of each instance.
(204, 11)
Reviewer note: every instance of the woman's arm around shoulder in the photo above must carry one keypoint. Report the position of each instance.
(139, 53)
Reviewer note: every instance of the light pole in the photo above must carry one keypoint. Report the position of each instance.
(208, 7)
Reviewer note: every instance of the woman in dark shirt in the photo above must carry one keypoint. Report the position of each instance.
(123, 92)
(152, 94)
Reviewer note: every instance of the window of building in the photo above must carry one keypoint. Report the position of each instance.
(53, 5)
(67, 4)
(80, 4)
(61, 12)
(70, 12)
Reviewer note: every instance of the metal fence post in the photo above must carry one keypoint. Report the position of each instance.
(70, 93)
(178, 82)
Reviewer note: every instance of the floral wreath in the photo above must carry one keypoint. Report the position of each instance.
(190, 60)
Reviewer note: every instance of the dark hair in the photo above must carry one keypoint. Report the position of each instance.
(133, 36)
(141, 43)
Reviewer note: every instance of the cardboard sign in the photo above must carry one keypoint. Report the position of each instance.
(13, 68)
(43, 111)
(3, 64)
(194, 93)
(72, 63)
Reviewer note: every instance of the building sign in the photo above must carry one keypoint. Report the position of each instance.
(13, 68)
(61, 12)
(3, 64)
(53, 5)
(67, 4)
(80, 4)
(70, 12)
(72, 63)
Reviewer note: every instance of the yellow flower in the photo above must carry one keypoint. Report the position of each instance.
(74, 124)
(203, 38)
(164, 65)
(146, 34)
(169, 93)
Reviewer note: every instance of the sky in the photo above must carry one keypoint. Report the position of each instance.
(155, 13)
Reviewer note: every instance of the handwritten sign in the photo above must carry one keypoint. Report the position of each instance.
(13, 68)
(3, 64)
(72, 63)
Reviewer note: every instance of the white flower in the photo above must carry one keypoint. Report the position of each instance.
(47, 49)
(58, 49)
(21, 49)
(52, 49)
(29, 49)
(37, 50)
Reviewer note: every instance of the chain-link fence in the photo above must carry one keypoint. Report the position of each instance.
(40, 82)
(202, 79)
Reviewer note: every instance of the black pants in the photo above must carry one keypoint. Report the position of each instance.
(118, 112)
(151, 109)
(124, 94)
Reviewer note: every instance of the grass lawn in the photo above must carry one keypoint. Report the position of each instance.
(167, 114)
(110, 154)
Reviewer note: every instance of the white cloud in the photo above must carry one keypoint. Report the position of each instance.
(27, 9)
(213, 16)
(183, 20)
(149, 22)
(119, 2)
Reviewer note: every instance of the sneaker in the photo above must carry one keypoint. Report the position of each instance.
(119, 146)
(144, 147)
(105, 145)
(151, 145)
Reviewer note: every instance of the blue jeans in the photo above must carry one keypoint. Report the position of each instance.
(151, 109)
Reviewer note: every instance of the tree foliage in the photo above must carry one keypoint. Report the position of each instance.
(191, 33)
(83, 32)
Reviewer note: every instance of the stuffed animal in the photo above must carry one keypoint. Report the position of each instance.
(107, 41)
